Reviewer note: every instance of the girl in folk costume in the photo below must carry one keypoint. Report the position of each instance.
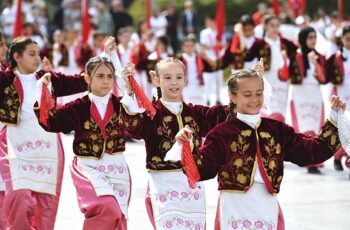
(99, 170)
(144, 44)
(195, 65)
(247, 152)
(3, 67)
(170, 202)
(338, 70)
(306, 74)
(212, 80)
(245, 49)
(31, 160)
(277, 66)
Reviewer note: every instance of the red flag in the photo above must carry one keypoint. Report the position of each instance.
(220, 19)
(85, 23)
(234, 47)
(276, 7)
(17, 27)
(340, 9)
(46, 103)
(148, 12)
(297, 6)
(141, 98)
(189, 165)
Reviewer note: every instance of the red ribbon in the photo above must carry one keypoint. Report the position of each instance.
(46, 103)
(189, 165)
(141, 98)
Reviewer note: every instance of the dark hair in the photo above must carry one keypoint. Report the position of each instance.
(19, 45)
(345, 31)
(302, 37)
(233, 81)
(268, 18)
(247, 20)
(95, 62)
(164, 40)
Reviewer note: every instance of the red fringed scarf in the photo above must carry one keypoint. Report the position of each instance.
(189, 165)
(141, 98)
(46, 103)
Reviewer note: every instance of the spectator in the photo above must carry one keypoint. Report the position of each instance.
(189, 19)
(121, 18)
(172, 18)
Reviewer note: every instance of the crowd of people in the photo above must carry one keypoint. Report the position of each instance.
(283, 71)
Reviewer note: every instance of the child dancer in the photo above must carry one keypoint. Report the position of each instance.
(306, 74)
(99, 170)
(170, 202)
(338, 70)
(31, 160)
(277, 66)
(247, 152)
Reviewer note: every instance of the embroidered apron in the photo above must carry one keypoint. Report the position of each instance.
(33, 157)
(255, 209)
(175, 205)
(108, 176)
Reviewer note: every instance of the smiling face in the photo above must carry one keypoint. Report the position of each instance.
(249, 95)
(101, 82)
(171, 80)
(28, 61)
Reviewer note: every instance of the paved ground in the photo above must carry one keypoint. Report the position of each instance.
(309, 202)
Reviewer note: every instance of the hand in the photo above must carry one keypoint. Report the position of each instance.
(259, 67)
(312, 56)
(127, 71)
(184, 134)
(337, 105)
(46, 78)
(110, 44)
(47, 64)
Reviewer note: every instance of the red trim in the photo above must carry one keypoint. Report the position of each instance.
(299, 59)
(319, 69)
(262, 169)
(19, 88)
(96, 116)
(339, 60)
(280, 220)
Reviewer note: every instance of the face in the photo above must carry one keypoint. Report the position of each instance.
(160, 46)
(3, 49)
(311, 40)
(29, 61)
(171, 81)
(102, 81)
(188, 47)
(124, 38)
(249, 97)
(346, 41)
(248, 31)
(272, 27)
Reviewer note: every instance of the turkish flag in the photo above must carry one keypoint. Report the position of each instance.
(17, 27)
(86, 26)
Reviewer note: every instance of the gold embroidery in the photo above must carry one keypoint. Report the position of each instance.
(11, 105)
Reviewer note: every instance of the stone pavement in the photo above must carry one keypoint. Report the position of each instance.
(309, 202)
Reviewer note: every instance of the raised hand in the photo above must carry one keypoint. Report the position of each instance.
(110, 44)
(337, 105)
(127, 71)
(46, 78)
(184, 134)
(47, 66)
(259, 67)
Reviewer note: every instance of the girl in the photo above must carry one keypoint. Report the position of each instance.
(170, 202)
(277, 65)
(99, 171)
(305, 97)
(246, 152)
(31, 160)
(338, 70)
(3, 66)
